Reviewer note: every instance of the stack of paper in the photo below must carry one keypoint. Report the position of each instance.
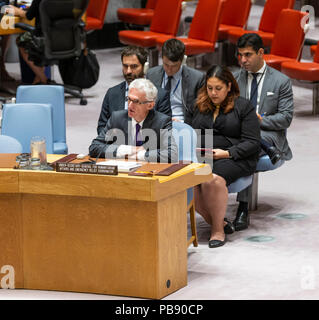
(122, 166)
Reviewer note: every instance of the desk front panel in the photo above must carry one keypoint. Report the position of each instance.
(115, 235)
(110, 246)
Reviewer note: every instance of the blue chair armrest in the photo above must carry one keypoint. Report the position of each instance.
(240, 184)
(264, 164)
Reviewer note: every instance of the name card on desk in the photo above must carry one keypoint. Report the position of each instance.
(86, 168)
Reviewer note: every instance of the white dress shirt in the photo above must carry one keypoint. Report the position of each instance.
(124, 149)
(260, 80)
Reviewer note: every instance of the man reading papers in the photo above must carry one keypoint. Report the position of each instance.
(139, 132)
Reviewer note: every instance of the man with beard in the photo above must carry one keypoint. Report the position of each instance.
(133, 60)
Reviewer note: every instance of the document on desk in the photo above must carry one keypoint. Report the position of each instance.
(122, 166)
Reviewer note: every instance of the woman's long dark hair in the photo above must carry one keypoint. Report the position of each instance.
(204, 103)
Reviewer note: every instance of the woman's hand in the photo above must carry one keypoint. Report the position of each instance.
(220, 154)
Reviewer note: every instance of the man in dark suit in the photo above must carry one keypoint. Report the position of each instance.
(270, 92)
(133, 60)
(181, 81)
(139, 132)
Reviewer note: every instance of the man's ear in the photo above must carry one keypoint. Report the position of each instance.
(151, 105)
(261, 51)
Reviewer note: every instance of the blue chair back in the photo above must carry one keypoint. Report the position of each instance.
(53, 95)
(9, 145)
(23, 121)
(186, 140)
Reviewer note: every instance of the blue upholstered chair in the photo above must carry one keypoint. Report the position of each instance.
(9, 145)
(263, 164)
(186, 139)
(53, 95)
(23, 121)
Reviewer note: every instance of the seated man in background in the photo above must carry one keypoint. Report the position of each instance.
(181, 81)
(133, 60)
(138, 133)
(270, 92)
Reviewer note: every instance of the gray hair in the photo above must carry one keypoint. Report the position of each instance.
(145, 86)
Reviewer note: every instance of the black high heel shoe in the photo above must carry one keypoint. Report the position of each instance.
(216, 243)
(229, 227)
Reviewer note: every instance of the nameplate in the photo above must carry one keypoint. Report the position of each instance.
(86, 168)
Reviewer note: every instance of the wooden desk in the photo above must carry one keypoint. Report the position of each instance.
(117, 235)
(7, 25)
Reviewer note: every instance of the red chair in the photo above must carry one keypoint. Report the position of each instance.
(95, 14)
(138, 16)
(305, 71)
(288, 40)
(165, 22)
(203, 32)
(313, 49)
(268, 22)
(235, 15)
(165, 10)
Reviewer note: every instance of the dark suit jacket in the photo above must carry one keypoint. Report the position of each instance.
(276, 101)
(237, 131)
(160, 144)
(192, 81)
(114, 100)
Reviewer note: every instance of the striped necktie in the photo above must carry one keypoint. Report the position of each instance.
(254, 90)
(138, 140)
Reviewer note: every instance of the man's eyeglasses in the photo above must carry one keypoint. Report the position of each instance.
(135, 101)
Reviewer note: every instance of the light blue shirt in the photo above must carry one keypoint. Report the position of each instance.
(176, 94)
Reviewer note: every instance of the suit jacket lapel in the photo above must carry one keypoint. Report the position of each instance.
(128, 130)
(265, 88)
(185, 87)
(121, 96)
(148, 120)
(242, 83)
(158, 78)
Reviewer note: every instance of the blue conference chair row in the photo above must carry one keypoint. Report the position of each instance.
(39, 111)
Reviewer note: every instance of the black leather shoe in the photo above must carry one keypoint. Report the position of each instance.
(216, 243)
(241, 221)
(229, 227)
(274, 155)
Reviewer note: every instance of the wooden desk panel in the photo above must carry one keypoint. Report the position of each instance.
(114, 235)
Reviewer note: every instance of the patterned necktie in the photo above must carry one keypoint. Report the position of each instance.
(254, 90)
(168, 85)
(138, 140)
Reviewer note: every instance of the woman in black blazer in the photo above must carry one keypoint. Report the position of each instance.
(230, 134)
